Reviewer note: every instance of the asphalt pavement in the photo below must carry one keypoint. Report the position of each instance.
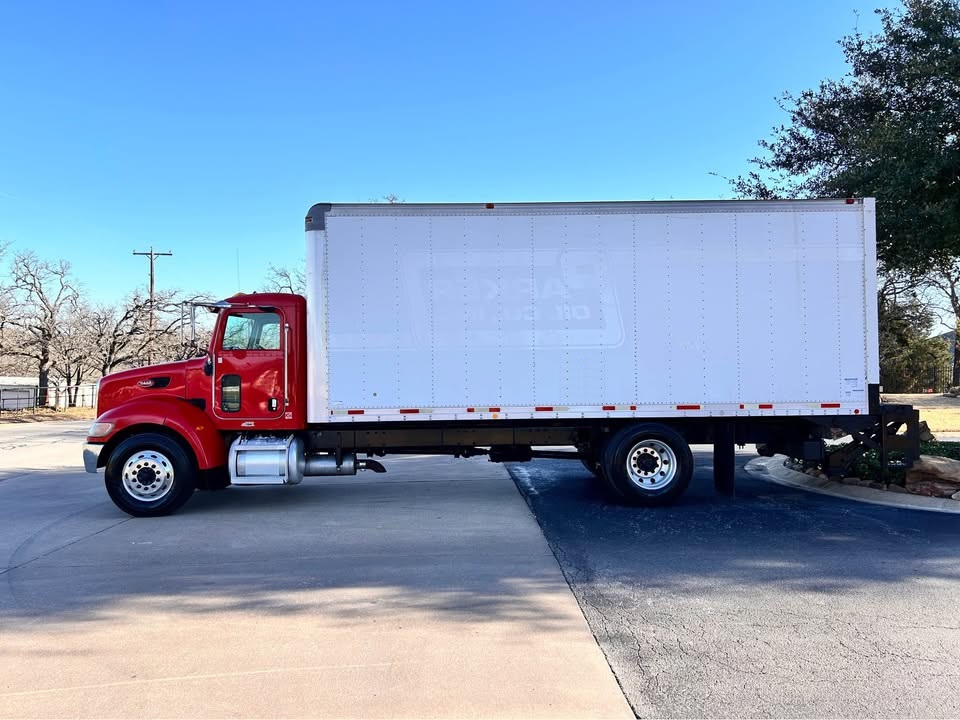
(776, 603)
(425, 592)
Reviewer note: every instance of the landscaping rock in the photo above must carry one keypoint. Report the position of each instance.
(955, 496)
(932, 488)
(877, 485)
(893, 487)
(850, 480)
(814, 472)
(925, 434)
(934, 476)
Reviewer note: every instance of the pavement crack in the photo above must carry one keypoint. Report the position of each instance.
(57, 549)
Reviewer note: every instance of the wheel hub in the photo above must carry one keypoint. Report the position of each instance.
(148, 475)
(651, 464)
(647, 463)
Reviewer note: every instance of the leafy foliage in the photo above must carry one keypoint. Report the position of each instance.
(867, 467)
(888, 129)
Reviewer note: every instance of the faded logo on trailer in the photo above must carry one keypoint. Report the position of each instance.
(485, 299)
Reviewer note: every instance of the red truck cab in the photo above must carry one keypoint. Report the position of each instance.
(159, 421)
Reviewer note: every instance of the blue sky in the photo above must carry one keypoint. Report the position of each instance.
(209, 128)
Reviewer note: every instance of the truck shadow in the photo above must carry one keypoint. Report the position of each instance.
(452, 540)
(458, 546)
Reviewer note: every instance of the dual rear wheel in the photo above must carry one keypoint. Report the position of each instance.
(643, 464)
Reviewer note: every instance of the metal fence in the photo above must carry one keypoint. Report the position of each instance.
(917, 378)
(60, 397)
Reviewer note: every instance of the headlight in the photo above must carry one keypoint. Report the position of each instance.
(99, 429)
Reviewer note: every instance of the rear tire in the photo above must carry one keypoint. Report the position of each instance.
(648, 464)
(149, 475)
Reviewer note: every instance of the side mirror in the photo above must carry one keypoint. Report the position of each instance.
(208, 366)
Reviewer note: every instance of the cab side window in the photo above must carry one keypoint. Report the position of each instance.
(252, 331)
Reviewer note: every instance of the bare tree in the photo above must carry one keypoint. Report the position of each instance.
(121, 335)
(173, 338)
(45, 295)
(73, 351)
(286, 280)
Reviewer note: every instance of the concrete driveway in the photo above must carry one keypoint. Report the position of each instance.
(776, 603)
(426, 592)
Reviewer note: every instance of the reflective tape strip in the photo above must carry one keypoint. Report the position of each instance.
(586, 411)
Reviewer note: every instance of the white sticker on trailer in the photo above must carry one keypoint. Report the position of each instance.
(853, 388)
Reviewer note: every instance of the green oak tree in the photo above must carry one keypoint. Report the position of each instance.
(889, 129)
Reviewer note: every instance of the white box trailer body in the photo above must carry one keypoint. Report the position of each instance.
(590, 310)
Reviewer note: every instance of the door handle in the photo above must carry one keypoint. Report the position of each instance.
(272, 404)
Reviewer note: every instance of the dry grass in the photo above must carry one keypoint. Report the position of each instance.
(942, 420)
(941, 412)
(46, 415)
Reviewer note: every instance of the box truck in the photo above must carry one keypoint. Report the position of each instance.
(622, 331)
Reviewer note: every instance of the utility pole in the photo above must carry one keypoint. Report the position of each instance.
(153, 256)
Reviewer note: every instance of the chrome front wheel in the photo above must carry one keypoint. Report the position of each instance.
(148, 475)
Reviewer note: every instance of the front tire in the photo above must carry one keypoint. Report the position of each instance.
(150, 475)
(648, 464)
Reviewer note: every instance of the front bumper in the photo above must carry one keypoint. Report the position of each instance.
(91, 453)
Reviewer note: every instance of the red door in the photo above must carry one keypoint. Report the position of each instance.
(249, 373)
